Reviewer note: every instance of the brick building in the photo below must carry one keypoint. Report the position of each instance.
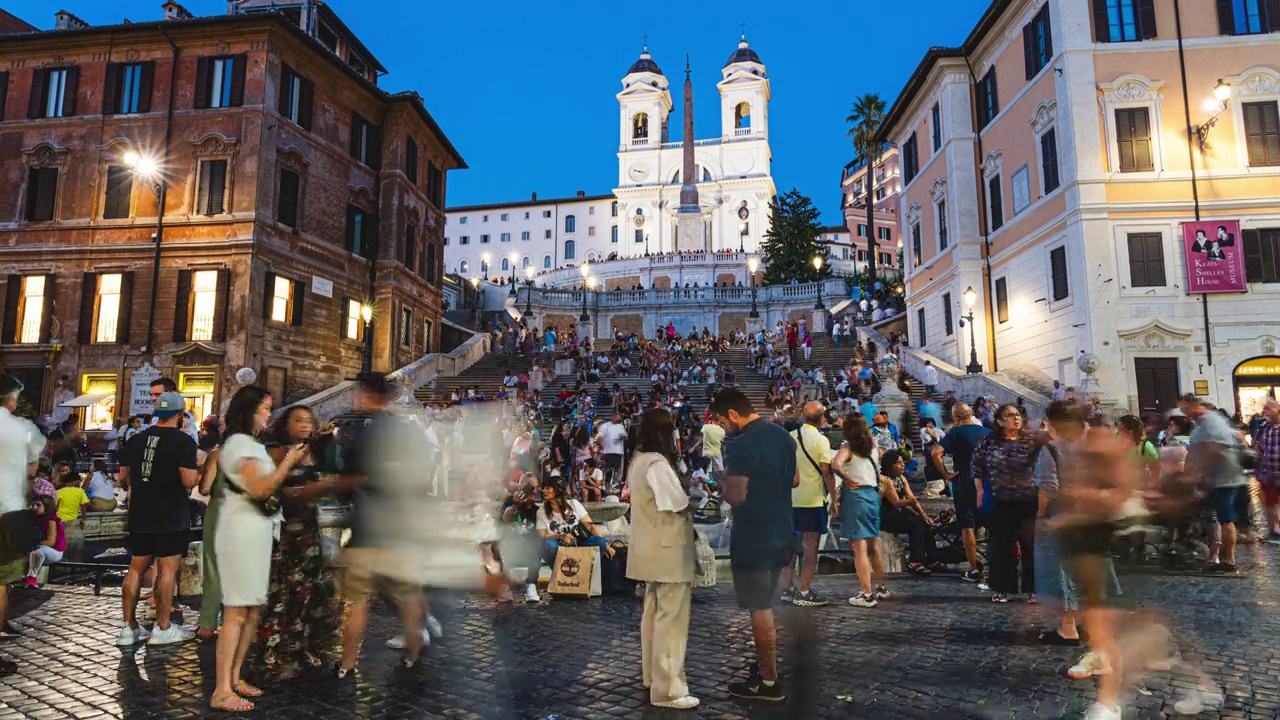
(294, 190)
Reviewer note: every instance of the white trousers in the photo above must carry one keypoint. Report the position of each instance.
(664, 637)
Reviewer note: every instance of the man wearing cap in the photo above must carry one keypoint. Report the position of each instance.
(158, 466)
(20, 446)
(760, 472)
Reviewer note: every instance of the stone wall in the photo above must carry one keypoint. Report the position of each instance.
(662, 282)
(562, 322)
(623, 283)
(731, 322)
(727, 279)
(629, 324)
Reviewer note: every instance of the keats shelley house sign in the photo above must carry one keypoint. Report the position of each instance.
(1215, 257)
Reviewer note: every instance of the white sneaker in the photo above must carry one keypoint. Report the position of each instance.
(684, 703)
(1098, 711)
(129, 637)
(433, 626)
(1090, 665)
(174, 635)
(1197, 701)
(397, 642)
(863, 601)
(531, 593)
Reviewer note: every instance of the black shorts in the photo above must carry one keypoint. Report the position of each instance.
(159, 545)
(964, 497)
(1093, 538)
(755, 589)
(612, 462)
(809, 520)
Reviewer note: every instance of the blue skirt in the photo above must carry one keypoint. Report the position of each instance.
(860, 513)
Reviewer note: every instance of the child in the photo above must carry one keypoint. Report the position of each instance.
(53, 539)
(73, 502)
(100, 489)
(592, 481)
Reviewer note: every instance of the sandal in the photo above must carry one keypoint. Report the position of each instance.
(230, 703)
(247, 690)
(918, 569)
(939, 566)
(1053, 637)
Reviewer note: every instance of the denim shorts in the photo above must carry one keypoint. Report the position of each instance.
(1225, 502)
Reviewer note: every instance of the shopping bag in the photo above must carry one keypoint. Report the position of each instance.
(705, 570)
(572, 572)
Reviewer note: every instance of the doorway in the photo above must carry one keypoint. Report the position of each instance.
(1158, 386)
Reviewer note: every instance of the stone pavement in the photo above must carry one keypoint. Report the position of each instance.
(939, 650)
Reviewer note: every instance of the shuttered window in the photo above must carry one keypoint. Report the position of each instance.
(42, 189)
(911, 159)
(287, 207)
(297, 95)
(212, 193)
(1037, 42)
(1262, 133)
(1133, 140)
(946, 314)
(1124, 20)
(1248, 17)
(924, 337)
(410, 246)
(988, 98)
(1262, 255)
(119, 192)
(220, 82)
(1146, 260)
(915, 246)
(995, 198)
(53, 92)
(366, 143)
(1049, 160)
(1002, 300)
(127, 88)
(411, 160)
(430, 263)
(1058, 273)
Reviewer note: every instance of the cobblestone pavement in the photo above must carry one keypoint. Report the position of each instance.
(938, 650)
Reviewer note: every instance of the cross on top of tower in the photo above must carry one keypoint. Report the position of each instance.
(744, 31)
(646, 42)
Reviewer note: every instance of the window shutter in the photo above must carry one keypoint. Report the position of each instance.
(111, 89)
(1254, 136)
(1029, 49)
(182, 306)
(997, 203)
(217, 187)
(1271, 131)
(1048, 33)
(1137, 262)
(268, 293)
(1142, 140)
(238, 63)
(369, 236)
(69, 91)
(924, 338)
(375, 148)
(202, 197)
(285, 89)
(88, 294)
(1252, 259)
(50, 299)
(351, 229)
(1101, 23)
(1226, 18)
(119, 190)
(201, 99)
(356, 123)
(1058, 271)
(287, 212)
(35, 107)
(145, 82)
(1155, 259)
(431, 263)
(306, 99)
(299, 298)
(1002, 300)
(126, 308)
(42, 188)
(1146, 19)
(1124, 140)
(4, 92)
(1272, 19)
(342, 317)
(222, 305)
(12, 297)
(411, 160)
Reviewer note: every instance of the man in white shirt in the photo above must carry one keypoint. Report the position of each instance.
(1059, 392)
(929, 376)
(612, 436)
(713, 446)
(20, 446)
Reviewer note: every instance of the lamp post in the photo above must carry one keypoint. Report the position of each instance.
(742, 236)
(528, 294)
(366, 314)
(514, 257)
(475, 297)
(146, 169)
(586, 285)
(971, 297)
(484, 265)
(817, 266)
(752, 265)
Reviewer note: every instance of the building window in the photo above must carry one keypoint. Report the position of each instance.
(505, 237)
(546, 262)
(526, 262)
(915, 245)
(484, 218)
(546, 213)
(219, 82)
(353, 324)
(880, 193)
(1146, 260)
(362, 228)
(464, 267)
(411, 160)
(862, 231)
(546, 234)
(103, 298)
(53, 92)
(1037, 42)
(296, 97)
(204, 304)
(287, 208)
(280, 298)
(127, 89)
(883, 233)
(1262, 255)
(568, 248)
(570, 223)
(886, 259)
(462, 220)
(484, 267)
(406, 327)
(862, 256)
(526, 215)
(591, 231)
(464, 239)
(946, 314)
(1124, 20)
(431, 263)
(1133, 140)
(524, 235)
(1049, 160)
(1262, 133)
(613, 234)
(426, 336)
(1248, 17)
(506, 264)
(937, 127)
(924, 337)
(504, 217)
(639, 236)
(910, 160)
(410, 247)
(212, 194)
(988, 98)
(27, 296)
(42, 189)
(115, 205)
(995, 199)
(613, 209)
(1002, 300)
(366, 145)
(1058, 273)
(942, 225)
(484, 239)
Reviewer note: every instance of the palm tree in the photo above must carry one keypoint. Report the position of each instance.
(865, 120)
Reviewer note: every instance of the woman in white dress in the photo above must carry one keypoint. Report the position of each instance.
(246, 527)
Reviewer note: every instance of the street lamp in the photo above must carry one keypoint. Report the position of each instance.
(817, 266)
(528, 294)
(484, 265)
(971, 297)
(366, 314)
(475, 297)
(742, 236)
(145, 168)
(587, 282)
(752, 265)
(514, 257)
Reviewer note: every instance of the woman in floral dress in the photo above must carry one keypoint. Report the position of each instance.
(299, 627)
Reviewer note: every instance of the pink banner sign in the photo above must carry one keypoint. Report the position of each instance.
(1215, 257)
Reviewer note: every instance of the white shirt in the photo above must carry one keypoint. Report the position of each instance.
(1059, 393)
(20, 445)
(862, 471)
(100, 486)
(544, 523)
(930, 375)
(612, 436)
(668, 493)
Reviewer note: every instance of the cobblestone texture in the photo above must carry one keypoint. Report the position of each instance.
(938, 650)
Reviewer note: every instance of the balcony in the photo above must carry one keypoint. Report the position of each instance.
(741, 132)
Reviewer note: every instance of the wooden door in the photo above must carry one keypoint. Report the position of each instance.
(1158, 386)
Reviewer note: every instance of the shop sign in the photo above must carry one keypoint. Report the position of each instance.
(140, 389)
(1259, 367)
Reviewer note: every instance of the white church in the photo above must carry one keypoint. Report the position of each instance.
(732, 177)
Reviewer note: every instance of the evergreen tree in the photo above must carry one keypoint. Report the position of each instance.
(792, 241)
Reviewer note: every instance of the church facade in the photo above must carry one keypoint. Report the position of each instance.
(731, 174)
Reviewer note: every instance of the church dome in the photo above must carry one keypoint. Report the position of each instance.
(645, 64)
(744, 53)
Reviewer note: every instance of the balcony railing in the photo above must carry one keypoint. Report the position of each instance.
(801, 295)
(740, 132)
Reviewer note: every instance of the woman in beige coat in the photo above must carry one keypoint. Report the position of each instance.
(662, 557)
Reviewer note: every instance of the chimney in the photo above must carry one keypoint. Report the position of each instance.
(174, 11)
(535, 197)
(64, 20)
(582, 193)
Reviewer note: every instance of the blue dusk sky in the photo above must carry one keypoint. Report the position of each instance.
(525, 91)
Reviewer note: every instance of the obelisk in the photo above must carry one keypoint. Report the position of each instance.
(689, 217)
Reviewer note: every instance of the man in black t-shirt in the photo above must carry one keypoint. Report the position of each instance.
(158, 465)
(63, 441)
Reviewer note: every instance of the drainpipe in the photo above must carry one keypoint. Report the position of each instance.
(1191, 153)
(160, 198)
(986, 230)
(377, 239)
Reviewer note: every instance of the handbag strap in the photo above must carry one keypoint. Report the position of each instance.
(800, 442)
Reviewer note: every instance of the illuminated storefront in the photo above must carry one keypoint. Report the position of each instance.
(97, 401)
(1255, 381)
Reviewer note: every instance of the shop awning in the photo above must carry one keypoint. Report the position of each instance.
(841, 307)
(87, 399)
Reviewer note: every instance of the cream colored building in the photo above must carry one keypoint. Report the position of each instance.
(1049, 163)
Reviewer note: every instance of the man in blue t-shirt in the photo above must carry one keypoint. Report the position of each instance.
(959, 443)
(760, 471)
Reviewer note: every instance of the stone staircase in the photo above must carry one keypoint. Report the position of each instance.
(486, 374)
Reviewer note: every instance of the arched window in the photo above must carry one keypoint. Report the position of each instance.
(614, 210)
(546, 262)
(463, 267)
(570, 223)
(506, 264)
(640, 126)
(742, 117)
(568, 248)
(527, 262)
(484, 266)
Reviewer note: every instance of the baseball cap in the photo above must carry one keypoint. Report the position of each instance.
(168, 405)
